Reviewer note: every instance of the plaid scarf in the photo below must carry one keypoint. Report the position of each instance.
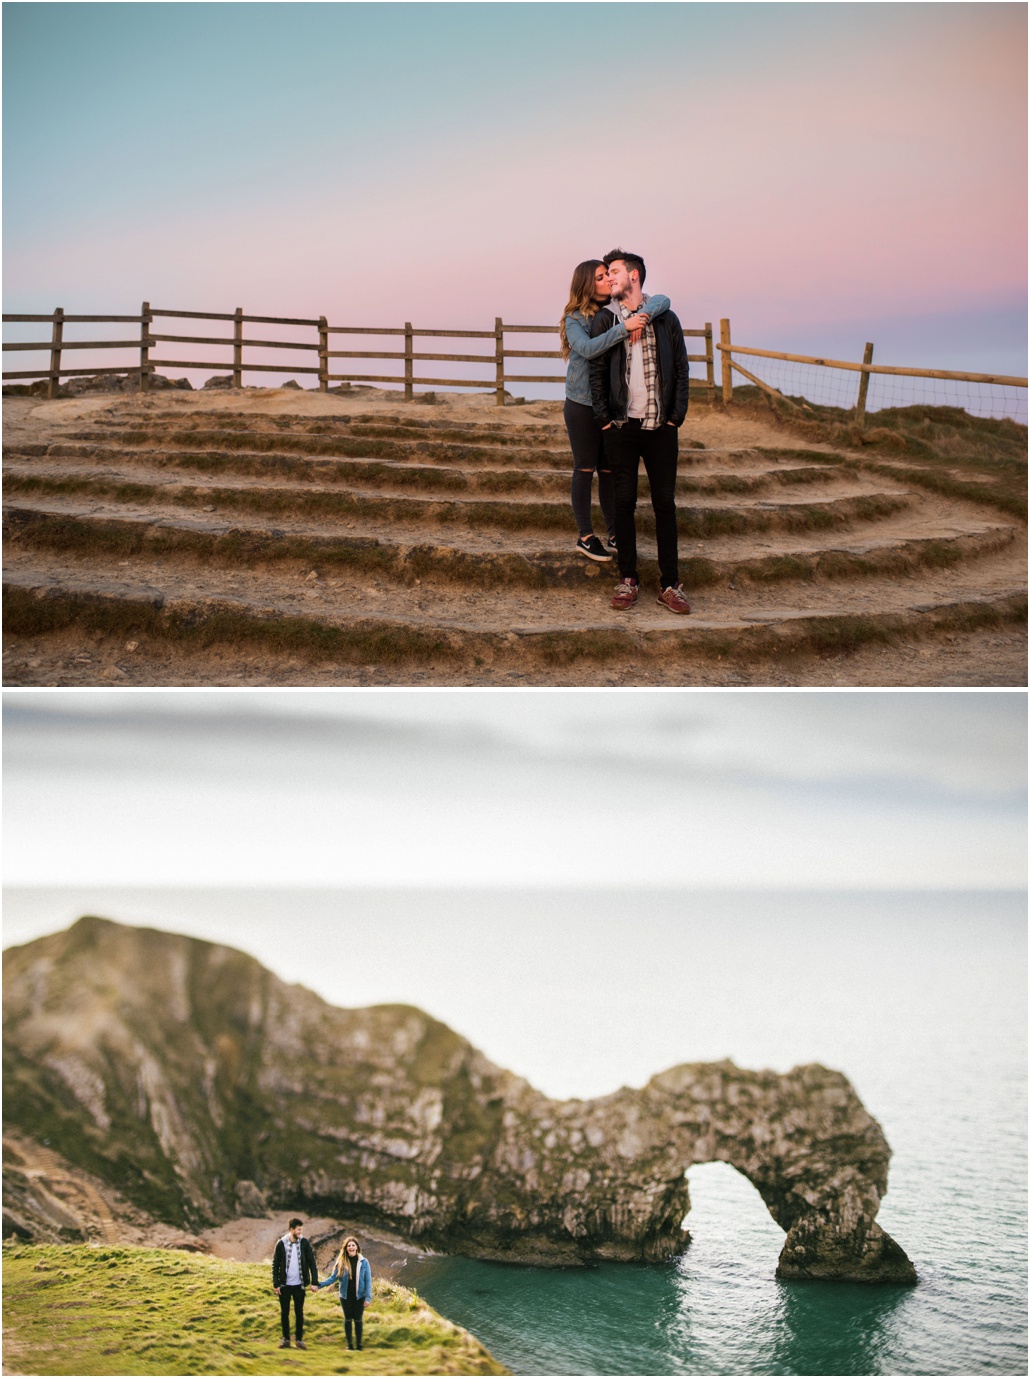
(653, 412)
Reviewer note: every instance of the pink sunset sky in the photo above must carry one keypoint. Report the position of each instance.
(821, 174)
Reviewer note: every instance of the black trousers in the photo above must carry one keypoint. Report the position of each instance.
(297, 1294)
(626, 446)
(352, 1314)
(588, 453)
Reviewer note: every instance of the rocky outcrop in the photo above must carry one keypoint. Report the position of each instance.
(97, 382)
(200, 1085)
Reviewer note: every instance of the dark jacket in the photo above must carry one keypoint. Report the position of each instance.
(308, 1266)
(608, 371)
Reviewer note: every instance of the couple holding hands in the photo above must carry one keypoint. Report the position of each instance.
(294, 1270)
(626, 393)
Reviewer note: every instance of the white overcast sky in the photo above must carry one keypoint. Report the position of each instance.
(516, 788)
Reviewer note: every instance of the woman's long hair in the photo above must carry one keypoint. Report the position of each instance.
(343, 1258)
(581, 297)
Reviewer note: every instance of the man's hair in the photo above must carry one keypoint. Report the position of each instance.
(295, 1221)
(631, 261)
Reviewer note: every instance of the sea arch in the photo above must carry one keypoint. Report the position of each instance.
(606, 1178)
(804, 1140)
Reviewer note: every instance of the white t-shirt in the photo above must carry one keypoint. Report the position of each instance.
(293, 1278)
(636, 403)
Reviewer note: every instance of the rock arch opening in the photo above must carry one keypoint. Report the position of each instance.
(728, 1221)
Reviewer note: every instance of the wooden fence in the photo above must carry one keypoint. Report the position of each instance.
(494, 361)
(865, 368)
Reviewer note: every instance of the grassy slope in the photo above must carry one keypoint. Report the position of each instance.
(945, 449)
(80, 1309)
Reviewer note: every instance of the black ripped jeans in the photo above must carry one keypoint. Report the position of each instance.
(626, 446)
(588, 454)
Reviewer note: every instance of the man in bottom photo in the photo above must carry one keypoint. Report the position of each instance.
(519, 1031)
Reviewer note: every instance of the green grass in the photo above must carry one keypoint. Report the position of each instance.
(82, 1309)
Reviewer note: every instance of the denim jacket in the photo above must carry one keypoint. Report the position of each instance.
(364, 1280)
(583, 348)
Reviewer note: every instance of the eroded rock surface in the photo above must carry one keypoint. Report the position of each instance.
(199, 1085)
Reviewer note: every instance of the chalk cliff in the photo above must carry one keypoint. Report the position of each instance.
(194, 1081)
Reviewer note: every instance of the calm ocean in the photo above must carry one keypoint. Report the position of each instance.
(919, 998)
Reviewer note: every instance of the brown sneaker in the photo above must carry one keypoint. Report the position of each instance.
(674, 598)
(300, 1344)
(284, 1344)
(626, 594)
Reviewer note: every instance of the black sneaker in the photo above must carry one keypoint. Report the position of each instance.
(611, 543)
(592, 548)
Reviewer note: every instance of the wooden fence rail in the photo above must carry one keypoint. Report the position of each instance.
(865, 369)
(494, 360)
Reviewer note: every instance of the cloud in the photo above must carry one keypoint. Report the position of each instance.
(562, 787)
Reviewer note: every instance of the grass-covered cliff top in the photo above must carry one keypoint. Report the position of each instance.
(82, 1309)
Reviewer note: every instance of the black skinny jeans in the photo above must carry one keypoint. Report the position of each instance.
(297, 1293)
(626, 446)
(588, 454)
(352, 1313)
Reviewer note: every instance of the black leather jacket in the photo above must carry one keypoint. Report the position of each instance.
(608, 371)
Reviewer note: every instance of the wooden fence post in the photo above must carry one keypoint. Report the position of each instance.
(323, 354)
(144, 347)
(863, 388)
(409, 362)
(237, 348)
(709, 358)
(56, 336)
(727, 366)
(499, 356)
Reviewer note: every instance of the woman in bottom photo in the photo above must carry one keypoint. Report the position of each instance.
(353, 1274)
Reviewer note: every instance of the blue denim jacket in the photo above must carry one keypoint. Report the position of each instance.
(364, 1280)
(583, 348)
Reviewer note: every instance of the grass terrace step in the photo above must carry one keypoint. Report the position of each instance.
(403, 473)
(415, 540)
(38, 607)
(700, 520)
(552, 455)
(124, 536)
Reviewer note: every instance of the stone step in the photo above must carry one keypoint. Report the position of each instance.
(551, 455)
(309, 621)
(708, 515)
(403, 553)
(480, 433)
(411, 473)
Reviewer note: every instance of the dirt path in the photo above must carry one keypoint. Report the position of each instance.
(74, 1189)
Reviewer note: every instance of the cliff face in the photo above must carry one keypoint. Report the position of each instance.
(183, 1073)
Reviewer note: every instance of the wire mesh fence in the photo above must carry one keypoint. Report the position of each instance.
(996, 400)
(822, 385)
